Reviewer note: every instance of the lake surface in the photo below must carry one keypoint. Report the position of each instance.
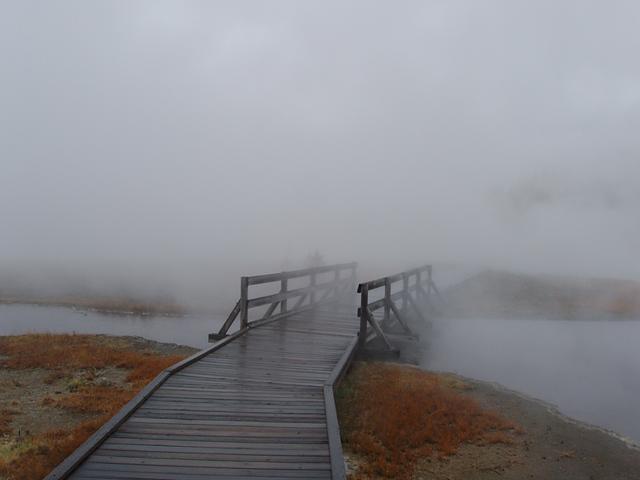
(187, 330)
(589, 369)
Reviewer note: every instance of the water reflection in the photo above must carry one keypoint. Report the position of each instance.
(188, 330)
(590, 370)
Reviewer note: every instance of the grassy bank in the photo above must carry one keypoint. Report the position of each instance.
(392, 416)
(400, 422)
(56, 390)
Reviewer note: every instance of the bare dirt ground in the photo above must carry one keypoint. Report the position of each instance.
(553, 447)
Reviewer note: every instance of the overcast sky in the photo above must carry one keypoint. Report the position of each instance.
(505, 133)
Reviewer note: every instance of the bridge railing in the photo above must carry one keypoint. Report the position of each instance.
(341, 282)
(417, 287)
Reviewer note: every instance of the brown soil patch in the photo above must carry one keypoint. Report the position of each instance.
(56, 390)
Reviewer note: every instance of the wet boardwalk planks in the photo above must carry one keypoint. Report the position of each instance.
(253, 409)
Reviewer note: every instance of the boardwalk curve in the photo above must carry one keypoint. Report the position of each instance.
(254, 405)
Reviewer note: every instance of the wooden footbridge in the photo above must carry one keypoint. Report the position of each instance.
(259, 402)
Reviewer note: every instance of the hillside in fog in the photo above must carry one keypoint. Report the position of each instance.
(502, 294)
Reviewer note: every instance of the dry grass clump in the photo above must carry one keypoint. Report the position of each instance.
(392, 415)
(62, 353)
(35, 457)
(6, 415)
(74, 359)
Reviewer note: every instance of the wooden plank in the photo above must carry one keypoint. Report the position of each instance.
(338, 470)
(215, 464)
(179, 471)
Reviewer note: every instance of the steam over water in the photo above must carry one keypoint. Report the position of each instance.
(589, 369)
(189, 330)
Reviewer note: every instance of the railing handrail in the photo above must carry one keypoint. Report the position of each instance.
(276, 277)
(366, 308)
(280, 298)
(380, 282)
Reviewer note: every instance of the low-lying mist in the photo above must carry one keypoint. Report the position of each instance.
(163, 149)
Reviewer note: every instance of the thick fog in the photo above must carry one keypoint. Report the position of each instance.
(161, 141)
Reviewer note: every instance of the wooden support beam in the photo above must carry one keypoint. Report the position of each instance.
(435, 289)
(364, 313)
(283, 289)
(416, 309)
(227, 324)
(312, 283)
(405, 290)
(399, 317)
(300, 301)
(372, 321)
(387, 300)
(270, 310)
(244, 302)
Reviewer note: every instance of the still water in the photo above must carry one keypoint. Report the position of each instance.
(589, 369)
(187, 330)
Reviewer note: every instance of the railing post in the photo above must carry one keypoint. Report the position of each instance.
(429, 273)
(387, 300)
(283, 289)
(364, 314)
(353, 278)
(312, 283)
(244, 300)
(405, 290)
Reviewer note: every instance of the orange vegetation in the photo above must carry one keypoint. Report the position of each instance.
(76, 356)
(62, 353)
(392, 415)
(6, 415)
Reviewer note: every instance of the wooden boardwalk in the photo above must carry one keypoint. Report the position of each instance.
(254, 408)
(258, 403)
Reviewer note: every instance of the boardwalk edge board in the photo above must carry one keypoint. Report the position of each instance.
(73, 461)
(338, 470)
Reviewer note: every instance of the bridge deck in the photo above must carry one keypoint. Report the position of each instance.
(252, 409)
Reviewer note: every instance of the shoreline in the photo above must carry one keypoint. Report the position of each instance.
(550, 407)
(554, 446)
(138, 310)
